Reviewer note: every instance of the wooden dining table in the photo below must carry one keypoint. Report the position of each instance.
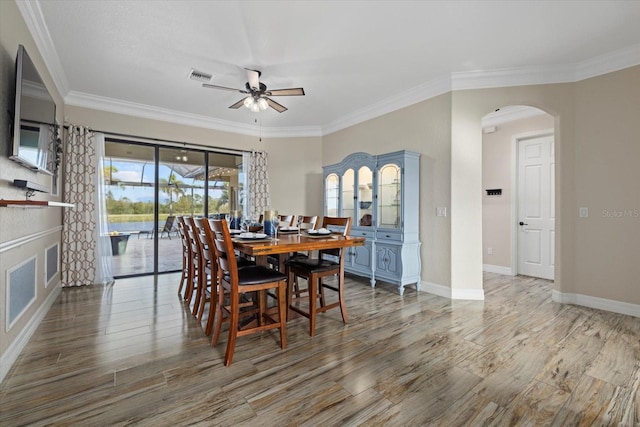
(287, 243)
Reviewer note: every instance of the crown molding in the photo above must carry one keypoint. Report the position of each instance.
(608, 63)
(426, 90)
(117, 106)
(32, 15)
(505, 77)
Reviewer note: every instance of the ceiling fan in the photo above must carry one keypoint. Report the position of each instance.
(258, 98)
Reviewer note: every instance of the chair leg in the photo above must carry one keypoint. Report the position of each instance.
(213, 306)
(199, 288)
(182, 280)
(291, 277)
(282, 313)
(203, 301)
(343, 306)
(313, 298)
(262, 303)
(188, 294)
(218, 318)
(321, 289)
(233, 332)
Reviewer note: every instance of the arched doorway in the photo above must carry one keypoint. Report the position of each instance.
(518, 201)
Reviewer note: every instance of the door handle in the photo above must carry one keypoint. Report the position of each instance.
(522, 223)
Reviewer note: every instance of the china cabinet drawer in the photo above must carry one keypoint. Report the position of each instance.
(363, 233)
(383, 235)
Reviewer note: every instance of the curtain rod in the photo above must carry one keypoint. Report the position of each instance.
(114, 135)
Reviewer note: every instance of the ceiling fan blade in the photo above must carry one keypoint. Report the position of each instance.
(223, 88)
(298, 91)
(238, 104)
(273, 104)
(253, 76)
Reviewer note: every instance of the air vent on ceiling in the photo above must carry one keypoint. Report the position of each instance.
(200, 76)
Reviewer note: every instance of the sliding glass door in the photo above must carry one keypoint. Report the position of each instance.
(181, 193)
(129, 171)
(149, 186)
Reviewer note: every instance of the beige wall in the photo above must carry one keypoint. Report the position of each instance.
(497, 223)
(607, 177)
(426, 129)
(469, 108)
(24, 232)
(295, 175)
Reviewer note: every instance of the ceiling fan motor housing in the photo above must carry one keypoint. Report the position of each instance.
(259, 91)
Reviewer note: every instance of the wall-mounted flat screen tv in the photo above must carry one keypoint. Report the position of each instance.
(33, 119)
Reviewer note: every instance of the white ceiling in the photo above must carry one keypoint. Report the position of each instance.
(355, 59)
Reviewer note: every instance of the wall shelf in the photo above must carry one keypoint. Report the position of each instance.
(34, 204)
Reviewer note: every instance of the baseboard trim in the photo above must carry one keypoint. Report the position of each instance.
(497, 269)
(447, 292)
(597, 303)
(10, 356)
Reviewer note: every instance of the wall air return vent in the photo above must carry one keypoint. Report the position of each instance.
(200, 76)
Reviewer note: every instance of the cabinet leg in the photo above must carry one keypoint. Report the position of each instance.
(373, 282)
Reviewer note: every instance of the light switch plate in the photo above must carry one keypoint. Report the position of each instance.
(441, 211)
(583, 212)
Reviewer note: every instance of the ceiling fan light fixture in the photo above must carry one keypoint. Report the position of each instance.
(258, 98)
(262, 103)
(249, 102)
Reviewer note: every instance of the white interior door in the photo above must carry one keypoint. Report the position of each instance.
(536, 207)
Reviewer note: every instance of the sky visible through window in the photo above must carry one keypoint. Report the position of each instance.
(134, 180)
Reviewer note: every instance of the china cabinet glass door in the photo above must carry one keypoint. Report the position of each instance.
(331, 195)
(389, 194)
(365, 197)
(348, 194)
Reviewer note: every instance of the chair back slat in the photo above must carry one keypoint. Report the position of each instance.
(344, 223)
(194, 242)
(184, 235)
(285, 220)
(205, 248)
(224, 252)
(307, 222)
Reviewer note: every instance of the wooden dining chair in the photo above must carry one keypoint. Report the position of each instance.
(286, 220)
(303, 223)
(307, 222)
(199, 279)
(235, 282)
(328, 263)
(209, 272)
(192, 279)
(184, 277)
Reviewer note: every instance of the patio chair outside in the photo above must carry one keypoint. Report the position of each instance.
(169, 227)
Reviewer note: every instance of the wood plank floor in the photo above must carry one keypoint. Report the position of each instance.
(131, 354)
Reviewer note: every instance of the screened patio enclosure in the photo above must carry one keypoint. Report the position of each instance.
(148, 186)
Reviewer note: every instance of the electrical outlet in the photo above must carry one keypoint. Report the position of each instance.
(489, 251)
(441, 211)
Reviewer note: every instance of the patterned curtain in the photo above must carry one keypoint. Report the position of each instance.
(84, 259)
(258, 183)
